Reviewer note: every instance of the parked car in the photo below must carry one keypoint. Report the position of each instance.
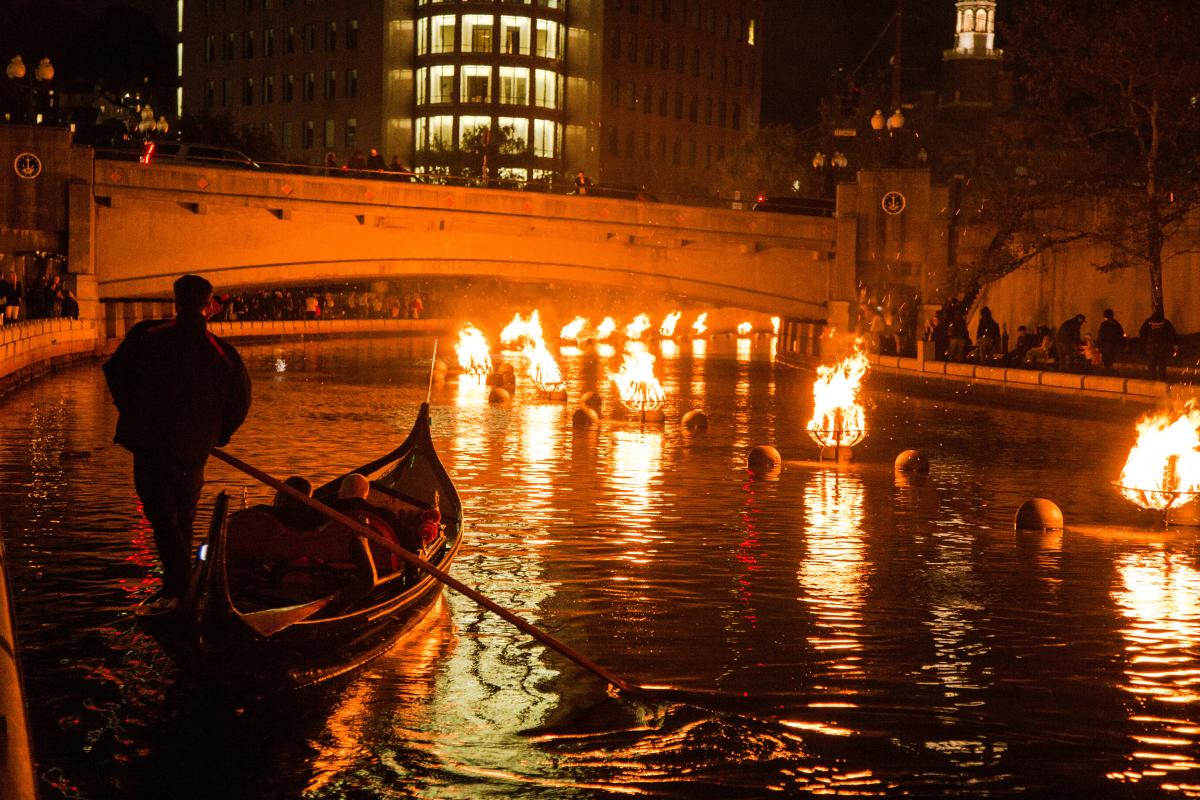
(188, 153)
(807, 206)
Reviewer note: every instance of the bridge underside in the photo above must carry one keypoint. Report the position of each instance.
(147, 235)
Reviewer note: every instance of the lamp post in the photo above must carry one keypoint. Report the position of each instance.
(829, 166)
(26, 91)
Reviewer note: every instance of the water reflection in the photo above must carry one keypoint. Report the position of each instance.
(636, 471)
(1159, 596)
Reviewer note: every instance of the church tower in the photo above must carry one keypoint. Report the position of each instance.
(972, 70)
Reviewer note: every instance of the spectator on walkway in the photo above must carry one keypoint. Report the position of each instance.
(582, 182)
(70, 306)
(403, 173)
(357, 164)
(416, 307)
(1109, 339)
(12, 300)
(956, 332)
(331, 164)
(987, 336)
(1158, 338)
(1068, 343)
(375, 161)
(1042, 356)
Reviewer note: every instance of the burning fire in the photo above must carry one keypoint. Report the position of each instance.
(635, 329)
(698, 326)
(775, 325)
(605, 328)
(639, 389)
(667, 329)
(472, 351)
(1163, 468)
(542, 368)
(839, 420)
(744, 328)
(573, 329)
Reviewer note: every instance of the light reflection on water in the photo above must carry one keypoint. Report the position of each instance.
(872, 633)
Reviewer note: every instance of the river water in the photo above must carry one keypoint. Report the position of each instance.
(861, 633)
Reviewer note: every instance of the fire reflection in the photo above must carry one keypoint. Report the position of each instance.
(1159, 595)
(833, 573)
(636, 475)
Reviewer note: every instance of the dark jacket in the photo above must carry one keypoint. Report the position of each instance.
(987, 327)
(179, 389)
(1109, 336)
(1069, 333)
(1158, 336)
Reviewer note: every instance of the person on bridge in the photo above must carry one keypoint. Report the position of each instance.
(179, 391)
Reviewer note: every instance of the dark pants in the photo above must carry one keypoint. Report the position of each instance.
(169, 494)
(1158, 366)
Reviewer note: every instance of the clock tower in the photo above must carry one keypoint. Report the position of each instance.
(972, 70)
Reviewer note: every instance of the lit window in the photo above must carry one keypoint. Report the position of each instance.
(351, 34)
(288, 135)
(476, 84)
(422, 131)
(441, 133)
(351, 83)
(330, 128)
(546, 39)
(443, 34)
(248, 44)
(268, 90)
(545, 85)
(441, 83)
(422, 85)
(544, 138)
(750, 32)
(516, 134)
(472, 128)
(514, 86)
(422, 36)
(351, 131)
(309, 131)
(477, 33)
(515, 35)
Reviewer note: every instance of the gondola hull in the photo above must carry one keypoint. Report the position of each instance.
(239, 655)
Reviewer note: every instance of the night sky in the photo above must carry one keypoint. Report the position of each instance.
(804, 41)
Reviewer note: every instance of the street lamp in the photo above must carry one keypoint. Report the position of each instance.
(829, 165)
(24, 103)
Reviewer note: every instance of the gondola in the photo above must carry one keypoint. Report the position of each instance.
(279, 601)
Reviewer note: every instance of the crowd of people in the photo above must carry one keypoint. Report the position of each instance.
(45, 298)
(312, 303)
(367, 166)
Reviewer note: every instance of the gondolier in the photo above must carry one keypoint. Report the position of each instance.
(180, 391)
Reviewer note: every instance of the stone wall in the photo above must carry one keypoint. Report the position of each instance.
(28, 349)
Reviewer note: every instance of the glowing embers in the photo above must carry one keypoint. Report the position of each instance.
(573, 330)
(700, 325)
(605, 328)
(839, 419)
(472, 351)
(640, 391)
(541, 367)
(1163, 468)
(667, 328)
(635, 329)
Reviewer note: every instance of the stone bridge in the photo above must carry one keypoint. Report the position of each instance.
(145, 225)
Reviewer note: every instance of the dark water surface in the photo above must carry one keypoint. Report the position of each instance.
(869, 635)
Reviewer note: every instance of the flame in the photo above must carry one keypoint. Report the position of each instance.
(573, 329)
(472, 350)
(1163, 468)
(775, 325)
(744, 328)
(698, 326)
(635, 329)
(541, 367)
(639, 389)
(839, 420)
(605, 328)
(667, 329)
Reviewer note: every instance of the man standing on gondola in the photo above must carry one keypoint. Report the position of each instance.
(180, 391)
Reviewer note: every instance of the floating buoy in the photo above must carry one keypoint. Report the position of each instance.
(912, 461)
(505, 368)
(654, 415)
(590, 400)
(695, 420)
(496, 379)
(498, 395)
(1038, 514)
(557, 396)
(764, 456)
(584, 418)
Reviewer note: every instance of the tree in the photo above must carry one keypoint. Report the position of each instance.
(774, 160)
(1111, 119)
(475, 144)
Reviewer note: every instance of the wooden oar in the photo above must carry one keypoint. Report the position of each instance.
(422, 564)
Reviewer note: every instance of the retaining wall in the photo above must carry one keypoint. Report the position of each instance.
(30, 348)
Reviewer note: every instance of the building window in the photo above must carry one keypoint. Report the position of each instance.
(737, 72)
(514, 86)
(711, 70)
(721, 113)
(630, 151)
(472, 127)
(664, 56)
(210, 94)
(614, 142)
(724, 69)
(443, 34)
(422, 85)
(226, 91)
(544, 138)
(661, 152)
(679, 105)
(680, 58)
(708, 155)
(330, 128)
(750, 80)
(227, 50)
(648, 52)
(515, 33)
(665, 9)
(289, 88)
(614, 44)
(288, 135)
(691, 154)
(662, 102)
(646, 146)
(248, 44)
(351, 138)
(546, 39)
(696, 62)
(720, 152)
(546, 88)
(476, 84)
(614, 99)
(352, 83)
(268, 89)
(331, 85)
(247, 91)
(289, 40)
(736, 121)
(441, 83)
(331, 42)
(422, 128)
(269, 42)
(310, 85)
(677, 152)
(422, 36)
(708, 109)
(351, 35)
(648, 100)
(310, 38)
(307, 137)
(516, 134)
(477, 33)
(750, 32)
(631, 49)
(210, 48)
(441, 133)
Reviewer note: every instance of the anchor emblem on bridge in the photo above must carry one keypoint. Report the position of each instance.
(893, 202)
(27, 166)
